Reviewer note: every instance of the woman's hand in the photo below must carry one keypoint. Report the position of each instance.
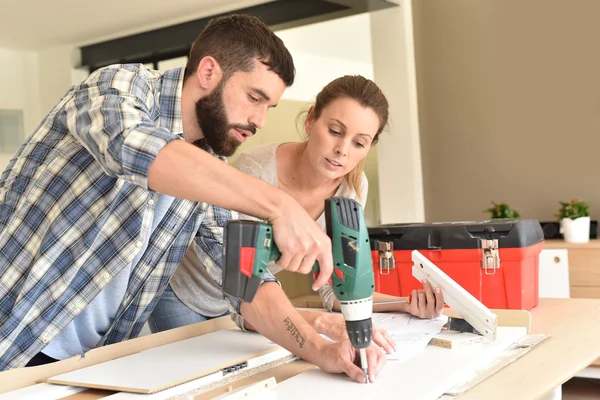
(426, 303)
(334, 327)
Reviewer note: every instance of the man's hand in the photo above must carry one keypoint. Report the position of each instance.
(298, 237)
(343, 358)
(301, 241)
(426, 303)
(272, 315)
(334, 327)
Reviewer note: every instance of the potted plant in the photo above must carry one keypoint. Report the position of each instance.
(574, 218)
(501, 210)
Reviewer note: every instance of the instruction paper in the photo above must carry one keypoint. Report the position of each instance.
(410, 333)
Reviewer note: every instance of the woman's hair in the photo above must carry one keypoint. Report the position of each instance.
(367, 94)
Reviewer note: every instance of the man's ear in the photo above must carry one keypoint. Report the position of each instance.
(310, 119)
(209, 73)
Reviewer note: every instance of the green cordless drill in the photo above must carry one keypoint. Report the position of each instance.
(249, 247)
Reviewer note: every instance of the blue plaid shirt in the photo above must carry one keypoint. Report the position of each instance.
(74, 201)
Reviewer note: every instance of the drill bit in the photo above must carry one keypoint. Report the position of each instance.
(363, 364)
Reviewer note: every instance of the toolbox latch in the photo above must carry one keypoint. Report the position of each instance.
(386, 257)
(490, 257)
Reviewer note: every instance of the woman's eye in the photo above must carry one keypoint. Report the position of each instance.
(360, 144)
(334, 132)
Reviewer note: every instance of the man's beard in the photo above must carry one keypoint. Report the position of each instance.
(212, 119)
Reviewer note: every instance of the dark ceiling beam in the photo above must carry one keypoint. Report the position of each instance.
(175, 41)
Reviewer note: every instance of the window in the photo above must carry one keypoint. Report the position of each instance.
(11, 130)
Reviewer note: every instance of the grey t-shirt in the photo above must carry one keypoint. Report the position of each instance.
(192, 283)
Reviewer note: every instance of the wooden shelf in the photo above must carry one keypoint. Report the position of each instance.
(561, 244)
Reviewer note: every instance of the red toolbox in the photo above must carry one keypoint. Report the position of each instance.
(497, 261)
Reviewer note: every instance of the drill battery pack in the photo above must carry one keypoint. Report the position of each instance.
(497, 261)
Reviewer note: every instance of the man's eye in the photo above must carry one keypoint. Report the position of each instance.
(253, 99)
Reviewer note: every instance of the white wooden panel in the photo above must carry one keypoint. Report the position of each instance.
(173, 364)
(426, 377)
(178, 390)
(459, 300)
(44, 391)
(554, 273)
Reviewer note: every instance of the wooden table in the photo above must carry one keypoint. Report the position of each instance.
(574, 344)
(574, 326)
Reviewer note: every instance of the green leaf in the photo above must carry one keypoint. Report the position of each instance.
(501, 210)
(573, 209)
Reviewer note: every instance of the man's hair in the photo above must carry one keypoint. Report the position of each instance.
(235, 41)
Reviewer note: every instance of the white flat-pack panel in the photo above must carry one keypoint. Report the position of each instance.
(44, 391)
(426, 377)
(459, 300)
(165, 366)
(166, 394)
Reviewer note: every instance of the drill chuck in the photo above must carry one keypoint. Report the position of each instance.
(360, 333)
(357, 314)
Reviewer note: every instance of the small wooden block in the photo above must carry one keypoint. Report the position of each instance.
(454, 339)
(248, 390)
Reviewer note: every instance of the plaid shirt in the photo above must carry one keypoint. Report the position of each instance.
(74, 202)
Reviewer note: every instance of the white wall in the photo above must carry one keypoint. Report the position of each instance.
(57, 74)
(509, 98)
(19, 87)
(399, 152)
(314, 71)
(19, 84)
(327, 50)
(34, 82)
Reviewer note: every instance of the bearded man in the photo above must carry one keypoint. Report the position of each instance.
(100, 203)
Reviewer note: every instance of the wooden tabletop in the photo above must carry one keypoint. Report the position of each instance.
(574, 326)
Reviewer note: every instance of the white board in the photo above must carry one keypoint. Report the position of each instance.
(165, 366)
(457, 298)
(171, 392)
(426, 377)
(44, 391)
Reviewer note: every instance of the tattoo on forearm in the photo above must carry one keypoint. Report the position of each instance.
(294, 331)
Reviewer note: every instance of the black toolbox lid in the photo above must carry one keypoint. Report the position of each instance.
(511, 233)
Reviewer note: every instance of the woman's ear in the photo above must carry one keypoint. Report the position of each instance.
(309, 121)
